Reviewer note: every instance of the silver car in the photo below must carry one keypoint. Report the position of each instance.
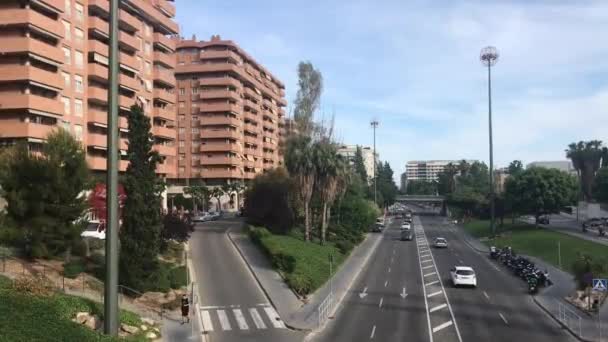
(440, 243)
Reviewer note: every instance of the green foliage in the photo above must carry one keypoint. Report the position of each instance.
(586, 158)
(359, 165)
(268, 201)
(43, 195)
(178, 277)
(539, 191)
(140, 234)
(73, 268)
(5, 282)
(600, 185)
(201, 195)
(175, 228)
(310, 87)
(386, 187)
(354, 214)
(179, 201)
(420, 187)
(515, 167)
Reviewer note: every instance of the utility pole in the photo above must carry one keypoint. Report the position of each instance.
(374, 125)
(489, 57)
(111, 282)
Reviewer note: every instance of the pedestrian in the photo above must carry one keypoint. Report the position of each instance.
(185, 309)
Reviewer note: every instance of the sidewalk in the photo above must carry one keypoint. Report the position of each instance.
(296, 313)
(581, 324)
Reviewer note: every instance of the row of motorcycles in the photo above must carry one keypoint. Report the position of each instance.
(521, 267)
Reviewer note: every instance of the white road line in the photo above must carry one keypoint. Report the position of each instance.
(425, 267)
(442, 326)
(208, 326)
(274, 317)
(212, 307)
(391, 260)
(426, 254)
(431, 283)
(224, 322)
(385, 283)
(240, 319)
(426, 302)
(503, 319)
(381, 300)
(496, 268)
(389, 270)
(438, 307)
(371, 337)
(486, 295)
(257, 319)
(430, 274)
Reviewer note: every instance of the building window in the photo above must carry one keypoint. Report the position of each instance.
(181, 143)
(148, 68)
(67, 56)
(67, 29)
(78, 35)
(68, 8)
(194, 118)
(140, 43)
(66, 80)
(78, 109)
(194, 130)
(182, 117)
(182, 169)
(67, 108)
(182, 91)
(182, 130)
(182, 104)
(182, 156)
(78, 85)
(195, 90)
(78, 59)
(79, 10)
(78, 132)
(147, 48)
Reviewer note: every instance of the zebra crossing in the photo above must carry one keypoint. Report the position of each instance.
(233, 317)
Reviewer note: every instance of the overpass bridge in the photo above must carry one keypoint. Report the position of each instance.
(435, 200)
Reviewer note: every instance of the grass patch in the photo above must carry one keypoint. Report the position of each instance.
(481, 228)
(31, 318)
(304, 265)
(541, 243)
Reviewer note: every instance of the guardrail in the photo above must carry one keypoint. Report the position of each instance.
(325, 308)
(568, 317)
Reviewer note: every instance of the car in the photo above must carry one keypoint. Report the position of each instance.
(406, 226)
(463, 276)
(377, 228)
(407, 235)
(202, 217)
(214, 216)
(440, 243)
(543, 220)
(380, 221)
(94, 230)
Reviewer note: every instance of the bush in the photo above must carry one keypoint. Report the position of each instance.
(5, 282)
(268, 202)
(284, 262)
(345, 246)
(300, 283)
(73, 268)
(33, 286)
(178, 277)
(79, 248)
(257, 234)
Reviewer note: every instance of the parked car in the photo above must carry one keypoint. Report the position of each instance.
(201, 217)
(380, 221)
(94, 230)
(543, 220)
(377, 228)
(463, 275)
(440, 243)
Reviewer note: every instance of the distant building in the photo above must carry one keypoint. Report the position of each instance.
(500, 177)
(348, 151)
(428, 170)
(562, 165)
(403, 185)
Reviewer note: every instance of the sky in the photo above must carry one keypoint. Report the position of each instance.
(414, 66)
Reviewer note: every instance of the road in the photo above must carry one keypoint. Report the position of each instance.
(499, 309)
(233, 307)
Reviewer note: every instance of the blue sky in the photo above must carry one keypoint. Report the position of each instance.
(414, 65)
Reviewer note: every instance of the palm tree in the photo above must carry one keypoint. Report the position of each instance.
(586, 157)
(327, 162)
(300, 165)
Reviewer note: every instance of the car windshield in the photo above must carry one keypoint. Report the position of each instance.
(465, 272)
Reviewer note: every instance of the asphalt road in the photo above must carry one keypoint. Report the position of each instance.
(233, 307)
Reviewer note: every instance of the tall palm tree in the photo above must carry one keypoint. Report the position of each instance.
(586, 157)
(327, 168)
(300, 165)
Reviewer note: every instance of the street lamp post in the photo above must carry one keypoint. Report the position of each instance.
(374, 125)
(489, 57)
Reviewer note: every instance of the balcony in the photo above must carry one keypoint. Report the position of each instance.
(101, 27)
(165, 7)
(32, 102)
(20, 129)
(253, 151)
(164, 42)
(165, 150)
(252, 105)
(166, 169)
(165, 77)
(100, 73)
(252, 129)
(15, 72)
(220, 133)
(14, 45)
(127, 21)
(127, 62)
(252, 117)
(167, 113)
(154, 15)
(218, 81)
(34, 19)
(216, 94)
(252, 93)
(100, 96)
(219, 107)
(167, 60)
(55, 6)
(101, 141)
(252, 140)
(164, 132)
(220, 120)
(100, 118)
(163, 96)
(220, 54)
(220, 147)
(220, 160)
(99, 163)
(221, 173)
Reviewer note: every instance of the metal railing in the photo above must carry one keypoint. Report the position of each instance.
(569, 318)
(325, 308)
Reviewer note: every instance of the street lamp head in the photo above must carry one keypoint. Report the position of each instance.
(489, 56)
(374, 123)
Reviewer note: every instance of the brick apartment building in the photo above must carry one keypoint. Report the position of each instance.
(230, 113)
(53, 72)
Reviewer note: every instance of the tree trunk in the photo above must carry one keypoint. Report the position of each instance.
(306, 222)
(323, 223)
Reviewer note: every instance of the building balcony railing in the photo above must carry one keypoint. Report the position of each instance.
(222, 173)
(220, 160)
(101, 141)
(164, 42)
(165, 150)
(126, 41)
(164, 96)
(20, 129)
(32, 102)
(220, 54)
(167, 113)
(99, 72)
(252, 140)
(162, 21)
(252, 129)
(167, 60)
(128, 61)
(14, 45)
(100, 118)
(99, 163)
(219, 107)
(164, 132)
(33, 19)
(216, 120)
(218, 81)
(127, 21)
(220, 147)
(15, 72)
(100, 95)
(56, 6)
(164, 76)
(220, 133)
(216, 94)
(166, 7)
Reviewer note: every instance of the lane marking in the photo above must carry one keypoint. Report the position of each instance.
(274, 317)
(430, 274)
(439, 307)
(240, 319)
(257, 319)
(426, 302)
(381, 300)
(496, 268)
(442, 326)
(429, 266)
(212, 307)
(486, 295)
(208, 326)
(224, 322)
(391, 260)
(364, 293)
(385, 283)
(371, 337)
(503, 318)
(431, 283)
(389, 270)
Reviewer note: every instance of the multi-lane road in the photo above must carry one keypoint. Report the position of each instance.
(405, 294)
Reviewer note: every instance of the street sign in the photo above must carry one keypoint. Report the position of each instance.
(600, 285)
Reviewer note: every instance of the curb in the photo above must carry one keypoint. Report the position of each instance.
(547, 311)
(197, 303)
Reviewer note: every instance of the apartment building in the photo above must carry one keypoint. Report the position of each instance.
(230, 110)
(428, 170)
(349, 151)
(54, 73)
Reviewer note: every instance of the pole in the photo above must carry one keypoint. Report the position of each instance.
(492, 195)
(111, 283)
(374, 124)
(559, 254)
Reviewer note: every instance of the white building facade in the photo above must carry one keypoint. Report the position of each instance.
(349, 151)
(562, 165)
(428, 170)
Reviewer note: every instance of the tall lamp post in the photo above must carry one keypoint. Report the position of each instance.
(489, 57)
(374, 125)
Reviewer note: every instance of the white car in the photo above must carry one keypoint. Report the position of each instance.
(463, 276)
(406, 226)
(94, 231)
(440, 243)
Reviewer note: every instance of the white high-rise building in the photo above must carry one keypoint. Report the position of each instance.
(428, 170)
(349, 151)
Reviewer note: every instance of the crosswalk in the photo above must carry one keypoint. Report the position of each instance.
(233, 317)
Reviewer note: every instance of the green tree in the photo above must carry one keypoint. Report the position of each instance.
(515, 167)
(359, 165)
(586, 157)
(176, 228)
(44, 195)
(329, 170)
(268, 201)
(140, 234)
(446, 183)
(600, 185)
(538, 191)
(386, 186)
(299, 161)
(310, 87)
(217, 193)
(421, 187)
(199, 194)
